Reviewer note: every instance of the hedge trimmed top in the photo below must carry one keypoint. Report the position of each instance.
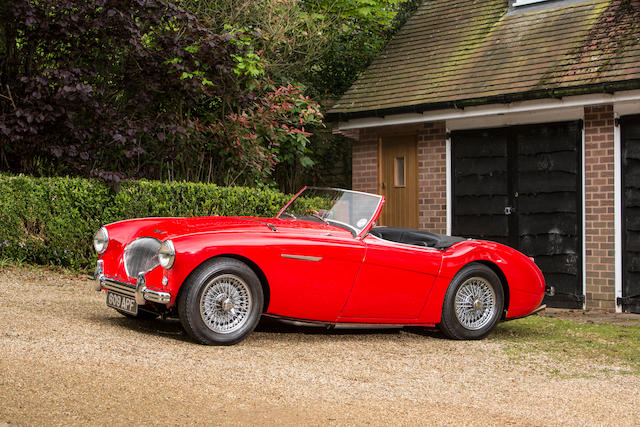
(52, 220)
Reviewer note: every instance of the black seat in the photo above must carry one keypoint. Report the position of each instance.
(415, 237)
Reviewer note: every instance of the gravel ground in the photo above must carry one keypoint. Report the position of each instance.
(69, 360)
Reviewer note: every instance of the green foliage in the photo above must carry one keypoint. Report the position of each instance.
(248, 63)
(107, 89)
(51, 221)
(131, 90)
(360, 31)
(183, 89)
(322, 44)
(270, 132)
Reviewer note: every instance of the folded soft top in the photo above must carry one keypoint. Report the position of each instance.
(416, 237)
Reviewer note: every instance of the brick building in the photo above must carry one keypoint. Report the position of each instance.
(516, 121)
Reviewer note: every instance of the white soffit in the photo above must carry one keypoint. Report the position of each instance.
(508, 119)
(626, 108)
(535, 111)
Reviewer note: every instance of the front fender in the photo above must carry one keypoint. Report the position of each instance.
(194, 249)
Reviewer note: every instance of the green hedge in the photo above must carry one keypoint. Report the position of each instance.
(52, 220)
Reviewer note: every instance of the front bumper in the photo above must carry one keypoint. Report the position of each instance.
(139, 291)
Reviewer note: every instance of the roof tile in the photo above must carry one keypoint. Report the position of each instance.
(453, 50)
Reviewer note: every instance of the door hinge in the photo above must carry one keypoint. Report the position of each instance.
(633, 299)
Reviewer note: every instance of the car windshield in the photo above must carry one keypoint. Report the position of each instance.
(351, 210)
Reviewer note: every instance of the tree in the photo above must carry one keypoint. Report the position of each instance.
(117, 88)
(323, 45)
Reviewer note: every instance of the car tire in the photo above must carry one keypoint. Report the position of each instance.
(221, 302)
(473, 303)
(142, 314)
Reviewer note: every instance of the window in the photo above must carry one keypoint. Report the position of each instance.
(525, 6)
(399, 172)
(517, 3)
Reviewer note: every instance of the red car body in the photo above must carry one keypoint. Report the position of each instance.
(317, 272)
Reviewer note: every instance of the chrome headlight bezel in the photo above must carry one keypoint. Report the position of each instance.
(166, 254)
(101, 240)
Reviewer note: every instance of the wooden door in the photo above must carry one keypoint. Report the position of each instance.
(399, 180)
(520, 186)
(630, 300)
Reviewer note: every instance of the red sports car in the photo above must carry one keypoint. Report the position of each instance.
(320, 261)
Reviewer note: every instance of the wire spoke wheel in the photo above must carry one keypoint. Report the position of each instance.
(225, 303)
(221, 302)
(475, 303)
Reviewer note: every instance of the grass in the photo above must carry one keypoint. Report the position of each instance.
(10, 263)
(572, 340)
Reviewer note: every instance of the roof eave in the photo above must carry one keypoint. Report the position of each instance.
(606, 87)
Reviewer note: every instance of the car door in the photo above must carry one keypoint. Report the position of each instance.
(312, 273)
(393, 283)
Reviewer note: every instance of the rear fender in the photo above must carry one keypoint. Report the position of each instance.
(524, 282)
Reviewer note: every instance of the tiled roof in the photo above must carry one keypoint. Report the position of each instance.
(462, 52)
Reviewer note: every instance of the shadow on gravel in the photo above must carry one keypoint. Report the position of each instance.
(426, 332)
(158, 327)
(270, 325)
(173, 329)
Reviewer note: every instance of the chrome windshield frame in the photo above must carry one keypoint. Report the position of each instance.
(358, 233)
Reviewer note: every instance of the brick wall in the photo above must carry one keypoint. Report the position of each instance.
(599, 207)
(432, 177)
(432, 169)
(364, 175)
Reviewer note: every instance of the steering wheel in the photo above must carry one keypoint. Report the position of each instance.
(314, 213)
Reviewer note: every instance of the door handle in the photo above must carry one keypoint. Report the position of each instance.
(508, 210)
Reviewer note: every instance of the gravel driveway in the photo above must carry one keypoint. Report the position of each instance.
(68, 359)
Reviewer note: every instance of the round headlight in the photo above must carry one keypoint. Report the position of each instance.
(166, 254)
(101, 240)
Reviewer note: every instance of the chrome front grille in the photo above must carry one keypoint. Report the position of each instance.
(141, 256)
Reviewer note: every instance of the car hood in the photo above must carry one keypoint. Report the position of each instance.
(169, 228)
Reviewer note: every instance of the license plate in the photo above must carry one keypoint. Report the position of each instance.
(122, 302)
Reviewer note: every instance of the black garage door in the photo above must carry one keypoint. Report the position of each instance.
(521, 186)
(630, 130)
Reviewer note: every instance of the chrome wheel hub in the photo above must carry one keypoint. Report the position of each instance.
(225, 303)
(475, 303)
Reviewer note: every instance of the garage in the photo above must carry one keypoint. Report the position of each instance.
(521, 186)
(630, 133)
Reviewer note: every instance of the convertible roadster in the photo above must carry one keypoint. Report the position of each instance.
(320, 261)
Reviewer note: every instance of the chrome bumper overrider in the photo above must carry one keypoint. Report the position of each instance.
(139, 291)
